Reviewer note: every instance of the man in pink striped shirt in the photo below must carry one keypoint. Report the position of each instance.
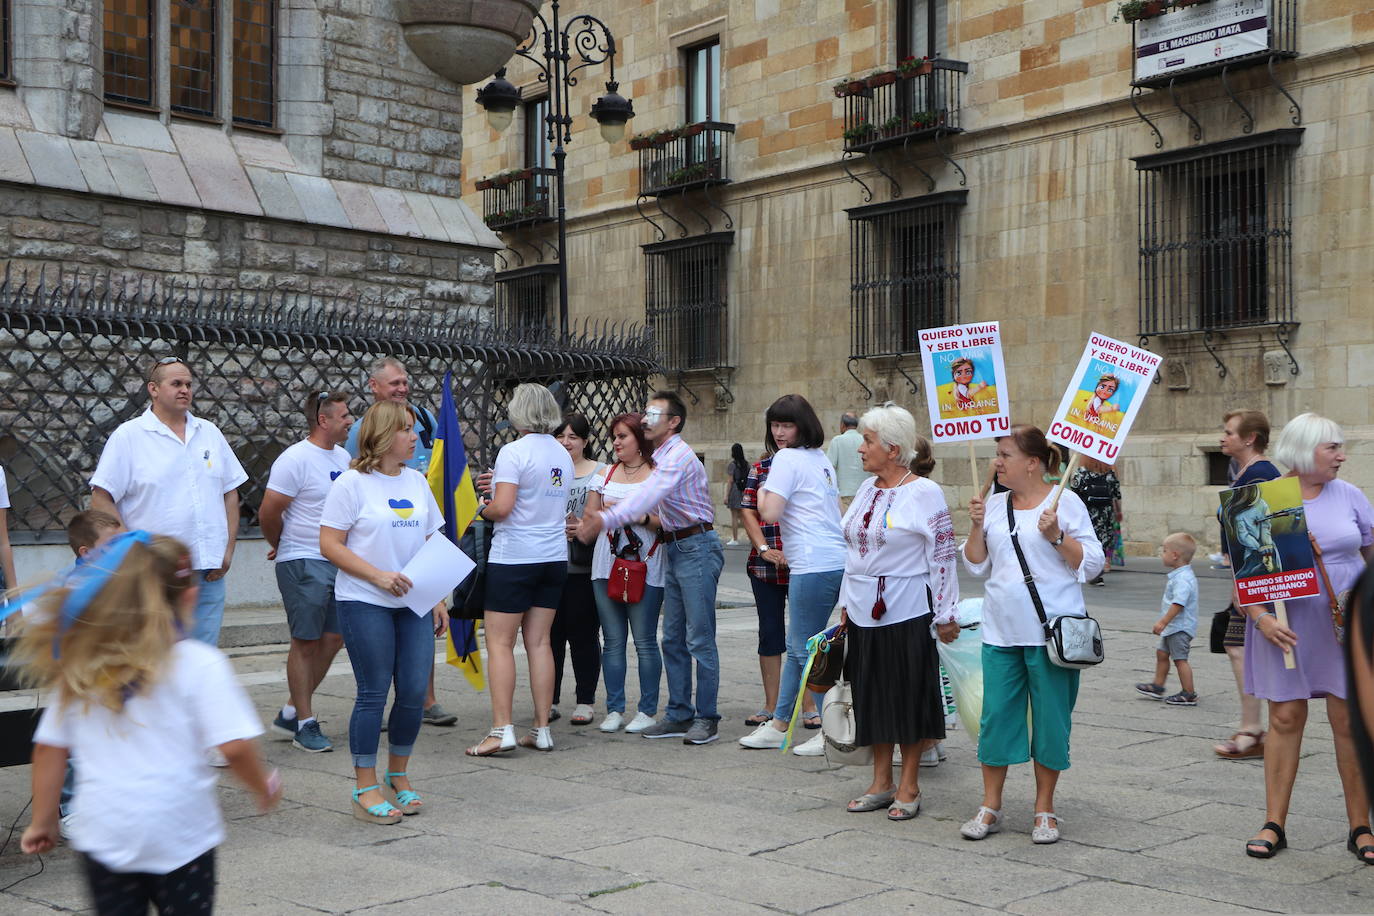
(678, 492)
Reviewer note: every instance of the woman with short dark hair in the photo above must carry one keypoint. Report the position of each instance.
(802, 495)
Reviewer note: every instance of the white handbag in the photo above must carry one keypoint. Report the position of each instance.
(840, 730)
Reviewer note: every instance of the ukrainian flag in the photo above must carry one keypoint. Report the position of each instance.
(451, 481)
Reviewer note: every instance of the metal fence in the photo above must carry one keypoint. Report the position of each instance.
(75, 350)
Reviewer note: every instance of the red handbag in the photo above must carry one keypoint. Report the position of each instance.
(628, 572)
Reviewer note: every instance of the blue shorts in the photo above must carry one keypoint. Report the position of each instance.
(307, 591)
(515, 588)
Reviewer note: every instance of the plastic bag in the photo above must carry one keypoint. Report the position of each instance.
(963, 662)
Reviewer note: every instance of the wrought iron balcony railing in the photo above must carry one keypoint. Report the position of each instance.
(1179, 40)
(524, 197)
(692, 157)
(902, 106)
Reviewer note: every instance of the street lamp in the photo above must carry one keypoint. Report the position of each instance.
(593, 43)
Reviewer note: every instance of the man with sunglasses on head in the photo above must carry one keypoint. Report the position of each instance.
(170, 472)
(290, 521)
(678, 492)
(388, 381)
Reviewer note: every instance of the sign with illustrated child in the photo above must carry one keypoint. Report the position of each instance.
(1266, 535)
(965, 381)
(1103, 398)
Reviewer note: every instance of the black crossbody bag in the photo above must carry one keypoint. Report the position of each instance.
(1072, 642)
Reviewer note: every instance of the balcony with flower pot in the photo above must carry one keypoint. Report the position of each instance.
(682, 159)
(917, 100)
(518, 198)
(1179, 40)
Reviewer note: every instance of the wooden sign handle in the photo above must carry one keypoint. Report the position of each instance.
(972, 465)
(1059, 487)
(1281, 612)
(987, 484)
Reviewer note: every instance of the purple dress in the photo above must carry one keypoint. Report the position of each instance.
(1340, 518)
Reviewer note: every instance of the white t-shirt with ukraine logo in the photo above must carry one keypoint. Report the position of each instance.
(386, 519)
(542, 472)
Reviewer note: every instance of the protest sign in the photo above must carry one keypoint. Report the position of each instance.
(1104, 397)
(965, 380)
(1266, 537)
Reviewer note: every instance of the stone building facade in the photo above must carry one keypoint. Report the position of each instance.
(295, 146)
(1033, 176)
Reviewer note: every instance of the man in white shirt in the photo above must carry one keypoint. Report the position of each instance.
(290, 520)
(389, 381)
(844, 457)
(172, 473)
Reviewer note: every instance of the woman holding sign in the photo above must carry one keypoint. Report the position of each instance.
(1061, 552)
(1339, 520)
(376, 517)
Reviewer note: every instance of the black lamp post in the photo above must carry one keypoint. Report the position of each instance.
(593, 43)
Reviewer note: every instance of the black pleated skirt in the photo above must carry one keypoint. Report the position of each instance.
(894, 673)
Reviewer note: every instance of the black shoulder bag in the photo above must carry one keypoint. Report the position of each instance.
(1072, 642)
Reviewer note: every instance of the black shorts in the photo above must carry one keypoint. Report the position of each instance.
(515, 588)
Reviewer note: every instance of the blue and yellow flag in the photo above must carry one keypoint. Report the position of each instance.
(451, 481)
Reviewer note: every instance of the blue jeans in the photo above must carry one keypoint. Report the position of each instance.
(812, 597)
(209, 610)
(642, 618)
(689, 625)
(386, 645)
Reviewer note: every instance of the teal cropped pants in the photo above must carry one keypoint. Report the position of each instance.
(1013, 676)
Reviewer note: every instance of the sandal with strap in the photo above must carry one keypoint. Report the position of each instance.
(976, 828)
(1270, 849)
(408, 800)
(505, 741)
(1231, 749)
(1044, 834)
(759, 718)
(1364, 853)
(381, 813)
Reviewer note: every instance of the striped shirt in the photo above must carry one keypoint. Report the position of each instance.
(677, 490)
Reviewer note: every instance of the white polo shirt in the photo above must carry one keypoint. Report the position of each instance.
(167, 486)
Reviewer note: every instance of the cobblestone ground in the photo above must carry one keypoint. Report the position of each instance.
(1153, 821)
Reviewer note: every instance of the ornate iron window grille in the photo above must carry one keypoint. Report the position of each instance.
(904, 271)
(129, 51)
(74, 350)
(254, 62)
(522, 300)
(192, 54)
(1216, 235)
(687, 295)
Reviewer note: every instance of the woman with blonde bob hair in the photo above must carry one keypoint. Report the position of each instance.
(900, 588)
(138, 706)
(1340, 522)
(528, 564)
(378, 515)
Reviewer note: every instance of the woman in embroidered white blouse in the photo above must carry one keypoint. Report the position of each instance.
(1062, 552)
(900, 583)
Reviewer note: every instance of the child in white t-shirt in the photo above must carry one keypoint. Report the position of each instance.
(137, 706)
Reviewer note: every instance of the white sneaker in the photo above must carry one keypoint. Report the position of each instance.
(813, 747)
(612, 722)
(215, 758)
(765, 736)
(930, 757)
(732, 543)
(639, 723)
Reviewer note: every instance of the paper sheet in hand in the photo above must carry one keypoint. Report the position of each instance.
(434, 573)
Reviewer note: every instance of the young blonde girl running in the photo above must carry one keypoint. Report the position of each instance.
(137, 706)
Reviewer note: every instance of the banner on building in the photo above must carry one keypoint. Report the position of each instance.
(1103, 398)
(1266, 537)
(966, 382)
(1200, 34)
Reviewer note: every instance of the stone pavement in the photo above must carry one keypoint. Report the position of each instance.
(1153, 821)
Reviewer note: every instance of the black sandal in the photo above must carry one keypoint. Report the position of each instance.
(1270, 849)
(1364, 853)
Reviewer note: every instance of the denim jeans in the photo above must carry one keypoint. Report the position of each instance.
(689, 625)
(386, 645)
(209, 610)
(641, 618)
(812, 597)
